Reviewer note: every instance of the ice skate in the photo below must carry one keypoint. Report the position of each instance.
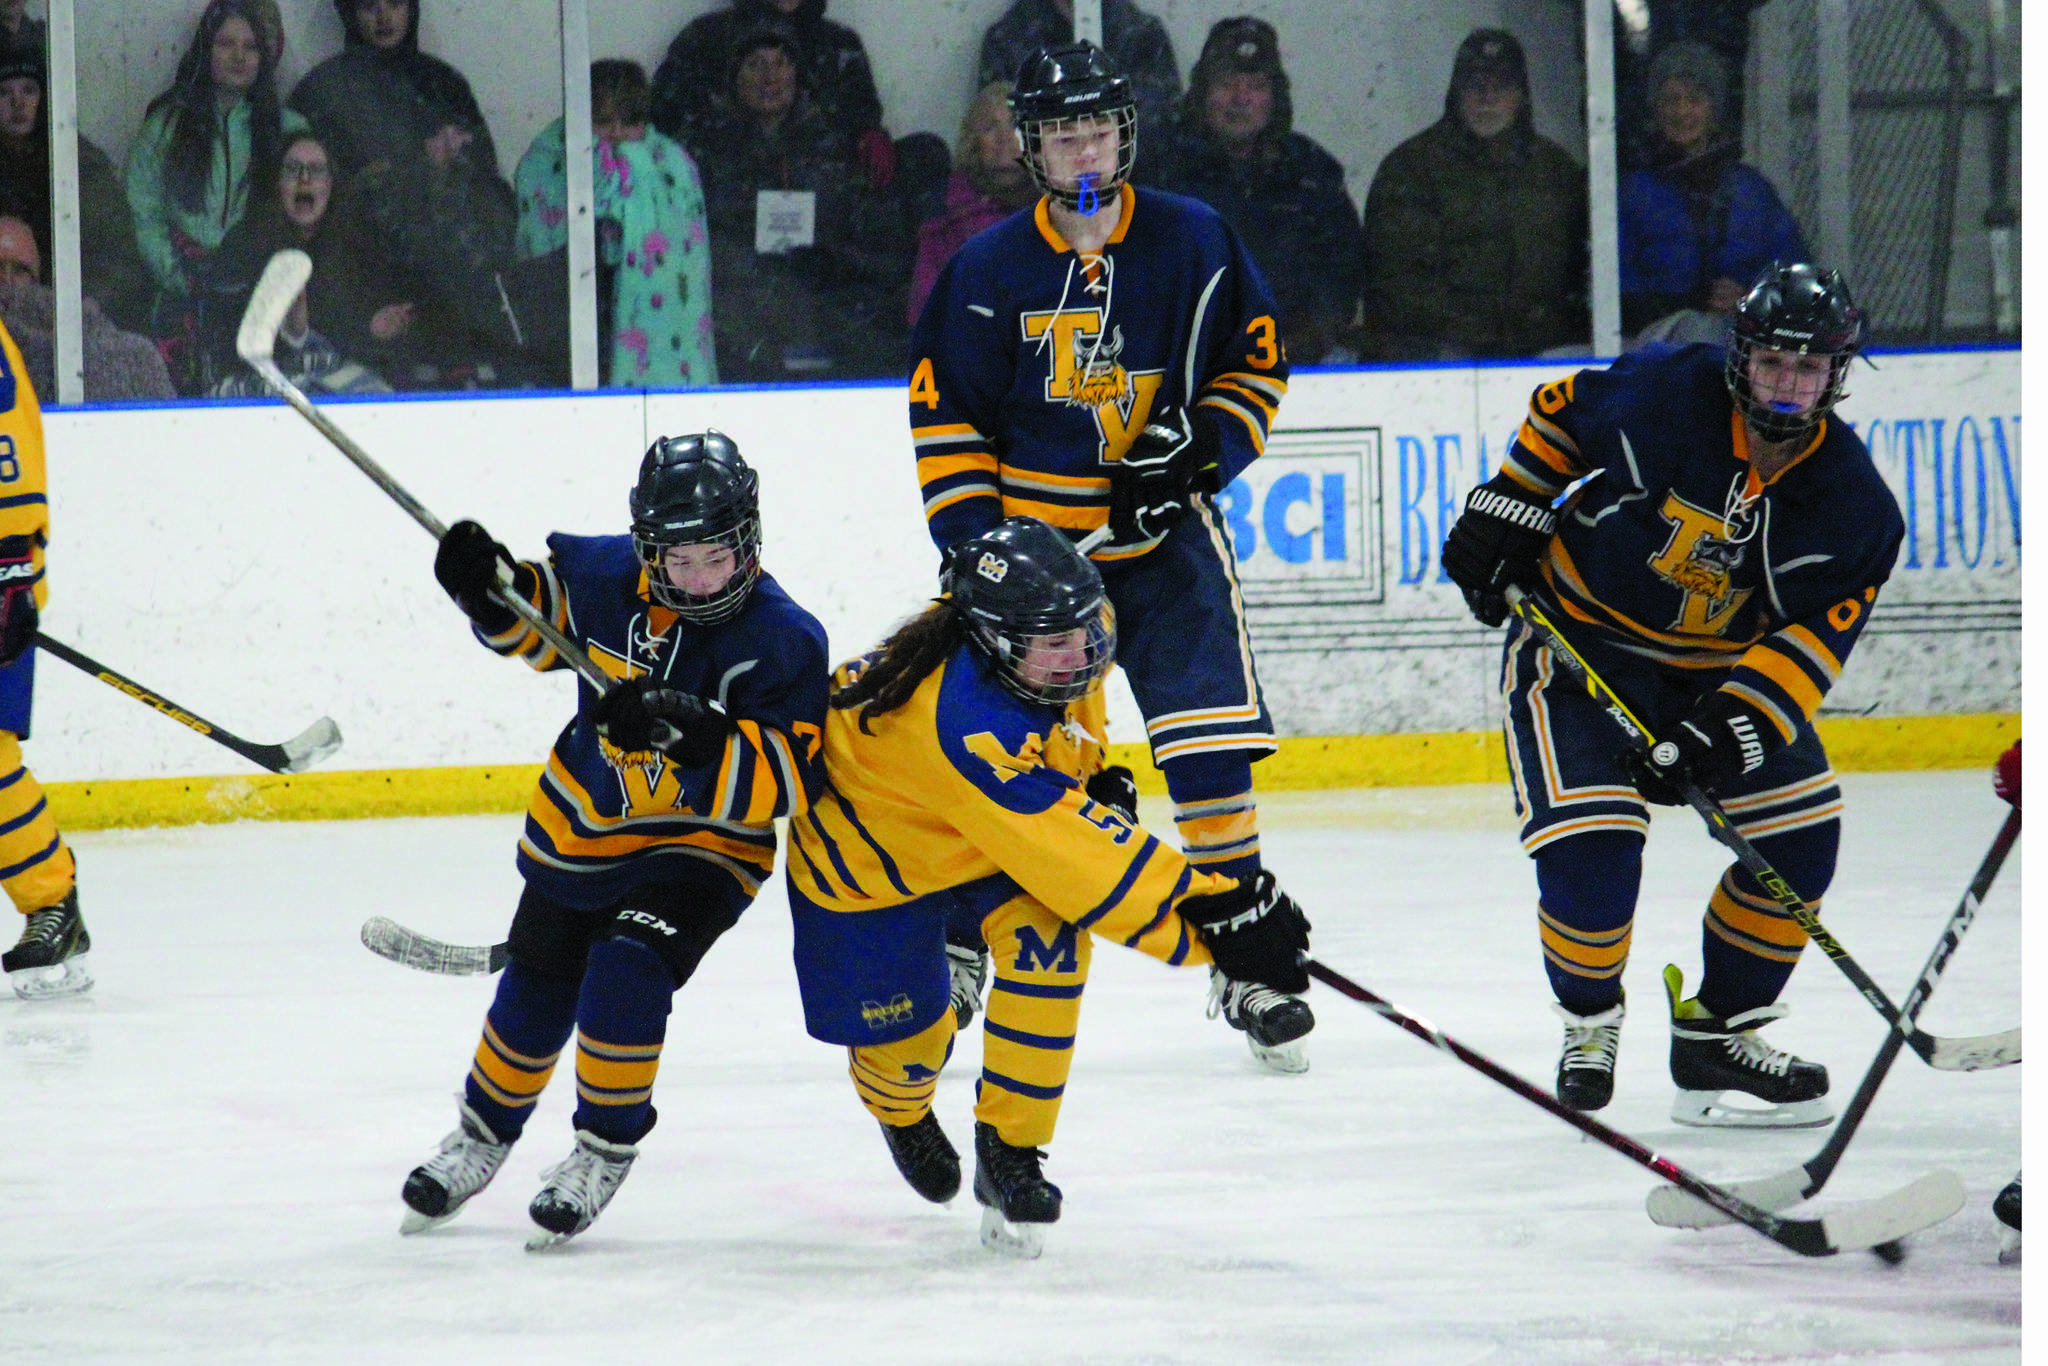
(926, 1158)
(50, 957)
(967, 965)
(1017, 1201)
(439, 1187)
(1275, 1024)
(1712, 1058)
(2006, 1207)
(1585, 1072)
(578, 1188)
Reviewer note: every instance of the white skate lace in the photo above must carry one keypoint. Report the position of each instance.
(465, 1163)
(1751, 1052)
(45, 927)
(1590, 1041)
(586, 1178)
(1237, 1000)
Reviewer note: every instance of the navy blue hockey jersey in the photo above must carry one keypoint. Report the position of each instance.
(601, 816)
(1678, 552)
(1033, 368)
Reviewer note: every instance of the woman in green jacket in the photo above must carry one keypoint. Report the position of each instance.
(215, 132)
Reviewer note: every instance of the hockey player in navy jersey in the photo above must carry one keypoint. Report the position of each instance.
(1106, 362)
(1716, 570)
(653, 825)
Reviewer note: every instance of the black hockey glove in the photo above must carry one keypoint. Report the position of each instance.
(640, 715)
(18, 615)
(467, 567)
(1255, 932)
(1116, 789)
(1153, 486)
(1723, 739)
(1496, 542)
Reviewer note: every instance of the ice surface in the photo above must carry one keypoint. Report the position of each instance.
(203, 1156)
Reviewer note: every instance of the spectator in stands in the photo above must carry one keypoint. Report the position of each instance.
(18, 30)
(1647, 27)
(1234, 148)
(341, 298)
(1135, 41)
(693, 92)
(1697, 225)
(653, 243)
(382, 99)
(114, 274)
(204, 142)
(811, 262)
(1475, 229)
(988, 184)
(118, 365)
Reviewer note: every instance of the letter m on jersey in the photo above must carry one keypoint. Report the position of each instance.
(1035, 953)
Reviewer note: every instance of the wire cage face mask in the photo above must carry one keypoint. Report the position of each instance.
(1085, 195)
(1040, 666)
(652, 544)
(1776, 422)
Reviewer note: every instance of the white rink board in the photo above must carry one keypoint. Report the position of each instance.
(229, 558)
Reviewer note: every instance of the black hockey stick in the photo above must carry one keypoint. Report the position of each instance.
(1675, 1209)
(311, 745)
(1951, 1055)
(389, 939)
(1913, 1207)
(282, 280)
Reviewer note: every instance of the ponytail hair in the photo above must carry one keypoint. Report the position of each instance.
(905, 660)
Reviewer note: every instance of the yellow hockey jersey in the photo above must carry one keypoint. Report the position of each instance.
(24, 500)
(967, 788)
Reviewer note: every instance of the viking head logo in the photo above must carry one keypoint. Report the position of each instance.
(1099, 376)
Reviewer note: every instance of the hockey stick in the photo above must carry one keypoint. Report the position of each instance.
(1907, 1210)
(1950, 1055)
(311, 745)
(1675, 1209)
(282, 280)
(389, 939)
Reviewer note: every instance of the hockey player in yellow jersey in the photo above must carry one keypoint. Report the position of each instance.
(36, 866)
(963, 785)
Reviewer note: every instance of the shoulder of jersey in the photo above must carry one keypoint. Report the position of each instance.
(772, 606)
(578, 555)
(970, 701)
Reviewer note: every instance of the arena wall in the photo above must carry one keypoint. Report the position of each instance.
(229, 558)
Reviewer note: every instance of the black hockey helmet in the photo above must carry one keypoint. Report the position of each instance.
(697, 490)
(1063, 85)
(1020, 581)
(1802, 309)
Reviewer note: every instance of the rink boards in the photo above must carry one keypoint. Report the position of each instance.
(230, 559)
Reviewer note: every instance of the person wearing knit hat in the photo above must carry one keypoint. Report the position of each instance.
(1234, 147)
(114, 274)
(1476, 228)
(1696, 224)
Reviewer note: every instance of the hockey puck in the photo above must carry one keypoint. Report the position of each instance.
(1892, 1253)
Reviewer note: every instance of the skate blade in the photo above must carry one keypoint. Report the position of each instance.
(544, 1241)
(1289, 1059)
(1704, 1110)
(1024, 1241)
(67, 978)
(415, 1222)
(2009, 1247)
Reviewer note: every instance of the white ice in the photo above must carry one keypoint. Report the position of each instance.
(202, 1157)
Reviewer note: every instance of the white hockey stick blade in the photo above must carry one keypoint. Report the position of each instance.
(280, 284)
(1852, 1228)
(388, 939)
(315, 744)
(1975, 1054)
(1673, 1208)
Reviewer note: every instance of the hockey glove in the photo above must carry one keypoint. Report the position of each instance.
(18, 615)
(1153, 486)
(1116, 789)
(1496, 542)
(639, 715)
(468, 568)
(2005, 778)
(1721, 741)
(1255, 932)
